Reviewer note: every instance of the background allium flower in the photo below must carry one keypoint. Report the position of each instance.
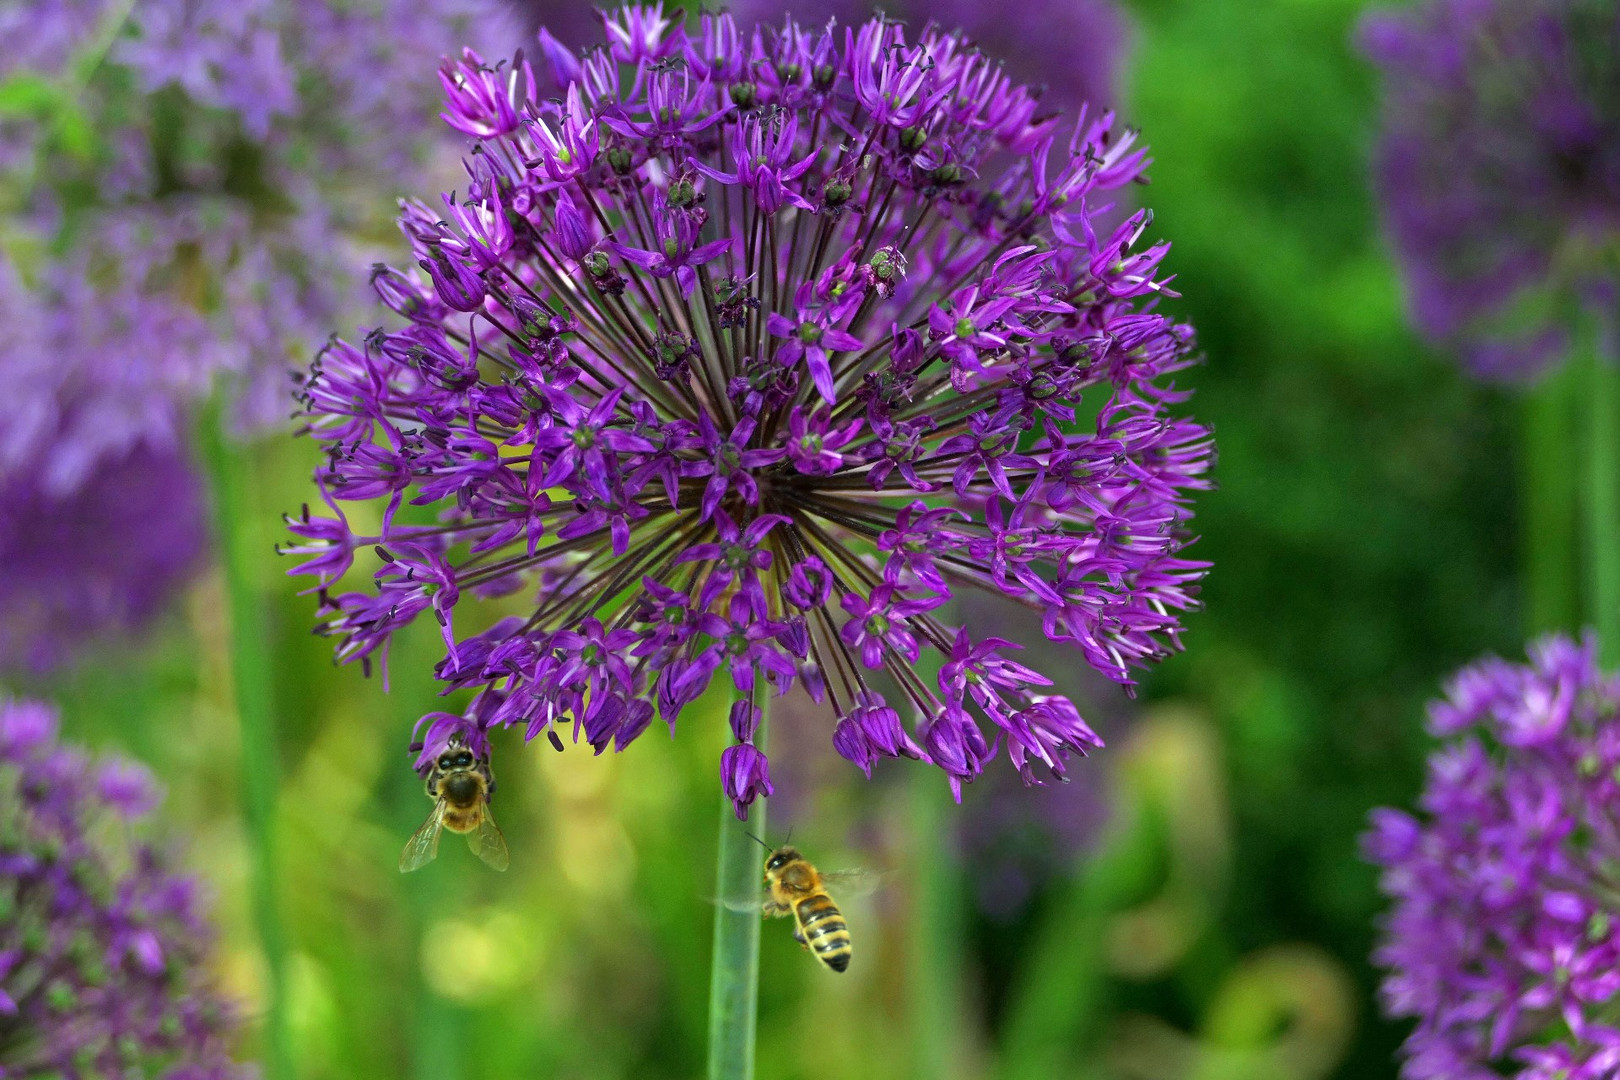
(1502, 941)
(54, 594)
(102, 947)
(1499, 169)
(188, 203)
(741, 361)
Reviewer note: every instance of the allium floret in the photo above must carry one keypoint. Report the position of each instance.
(102, 947)
(742, 355)
(1502, 941)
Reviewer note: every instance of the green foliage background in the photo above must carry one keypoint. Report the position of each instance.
(1366, 540)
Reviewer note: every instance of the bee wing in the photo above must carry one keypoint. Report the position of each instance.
(750, 903)
(487, 842)
(423, 846)
(849, 884)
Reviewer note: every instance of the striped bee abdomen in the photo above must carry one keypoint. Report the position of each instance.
(822, 927)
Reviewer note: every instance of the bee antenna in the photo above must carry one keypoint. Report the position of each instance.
(789, 839)
(757, 840)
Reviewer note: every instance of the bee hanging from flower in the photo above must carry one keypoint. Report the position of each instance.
(461, 783)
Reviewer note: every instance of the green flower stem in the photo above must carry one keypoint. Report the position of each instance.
(734, 973)
(1602, 494)
(231, 477)
(1550, 483)
(935, 931)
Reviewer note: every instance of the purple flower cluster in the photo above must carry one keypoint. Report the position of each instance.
(101, 946)
(165, 241)
(1503, 940)
(742, 352)
(1499, 169)
(341, 78)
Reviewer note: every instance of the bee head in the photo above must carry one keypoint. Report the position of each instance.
(781, 857)
(455, 759)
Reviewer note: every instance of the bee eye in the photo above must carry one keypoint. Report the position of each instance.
(444, 761)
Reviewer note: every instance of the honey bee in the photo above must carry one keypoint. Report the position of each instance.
(794, 887)
(461, 783)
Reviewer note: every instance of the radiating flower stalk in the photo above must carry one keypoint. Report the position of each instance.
(743, 351)
(102, 946)
(1503, 941)
(1499, 171)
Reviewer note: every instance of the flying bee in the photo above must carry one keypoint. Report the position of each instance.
(461, 783)
(794, 887)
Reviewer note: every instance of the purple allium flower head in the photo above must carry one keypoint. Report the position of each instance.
(102, 946)
(1499, 169)
(841, 339)
(187, 200)
(1504, 941)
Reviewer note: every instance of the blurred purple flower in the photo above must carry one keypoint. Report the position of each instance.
(43, 39)
(102, 948)
(788, 487)
(341, 78)
(1502, 941)
(147, 269)
(142, 518)
(570, 25)
(1499, 170)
